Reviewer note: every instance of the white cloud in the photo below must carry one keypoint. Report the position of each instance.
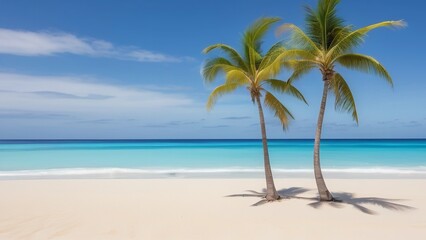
(147, 56)
(33, 44)
(81, 107)
(84, 97)
(27, 43)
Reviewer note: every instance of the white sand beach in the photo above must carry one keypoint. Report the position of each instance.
(198, 209)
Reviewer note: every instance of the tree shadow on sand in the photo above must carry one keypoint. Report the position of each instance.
(342, 199)
(350, 199)
(285, 193)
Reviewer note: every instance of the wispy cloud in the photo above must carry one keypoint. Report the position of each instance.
(236, 118)
(400, 123)
(216, 126)
(48, 43)
(339, 126)
(59, 95)
(148, 56)
(175, 124)
(97, 121)
(30, 115)
(180, 123)
(413, 124)
(78, 94)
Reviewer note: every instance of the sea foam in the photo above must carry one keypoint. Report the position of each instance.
(200, 172)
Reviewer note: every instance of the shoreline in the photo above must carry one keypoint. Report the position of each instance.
(198, 209)
(214, 173)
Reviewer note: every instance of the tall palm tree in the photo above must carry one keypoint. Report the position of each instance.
(256, 71)
(328, 42)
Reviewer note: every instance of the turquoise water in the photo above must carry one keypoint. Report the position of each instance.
(116, 158)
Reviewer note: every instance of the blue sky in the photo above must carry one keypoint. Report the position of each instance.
(114, 69)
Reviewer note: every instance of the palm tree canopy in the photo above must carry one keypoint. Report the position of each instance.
(252, 68)
(328, 42)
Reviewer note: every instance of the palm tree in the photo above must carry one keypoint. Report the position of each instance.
(255, 71)
(326, 44)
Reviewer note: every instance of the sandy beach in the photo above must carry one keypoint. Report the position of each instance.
(198, 209)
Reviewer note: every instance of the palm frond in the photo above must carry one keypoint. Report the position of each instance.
(213, 67)
(285, 87)
(231, 53)
(344, 98)
(323, 22)
(299, 38)
(220, 91)
(301, 54)
(271, 55)
(273, 65)
(252, 42)
(237, 76)
(252, 57)
(365, 64)
(255, 33)
(300, 68)
(314, 27)
(270, 71)
(257, 67)
(341, 33)
(351, 39)
(278, 108)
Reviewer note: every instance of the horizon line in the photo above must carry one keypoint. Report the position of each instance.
(191, 139)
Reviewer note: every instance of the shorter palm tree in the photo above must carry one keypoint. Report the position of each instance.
(254, 71)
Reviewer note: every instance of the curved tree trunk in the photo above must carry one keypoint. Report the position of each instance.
(271, 192)
(324, 194)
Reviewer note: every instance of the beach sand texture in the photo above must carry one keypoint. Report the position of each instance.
(197, 209)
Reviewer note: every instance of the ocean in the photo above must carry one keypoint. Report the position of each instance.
(39, 159)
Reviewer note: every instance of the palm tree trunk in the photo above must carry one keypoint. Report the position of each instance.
(271, 192)
(324, 194)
